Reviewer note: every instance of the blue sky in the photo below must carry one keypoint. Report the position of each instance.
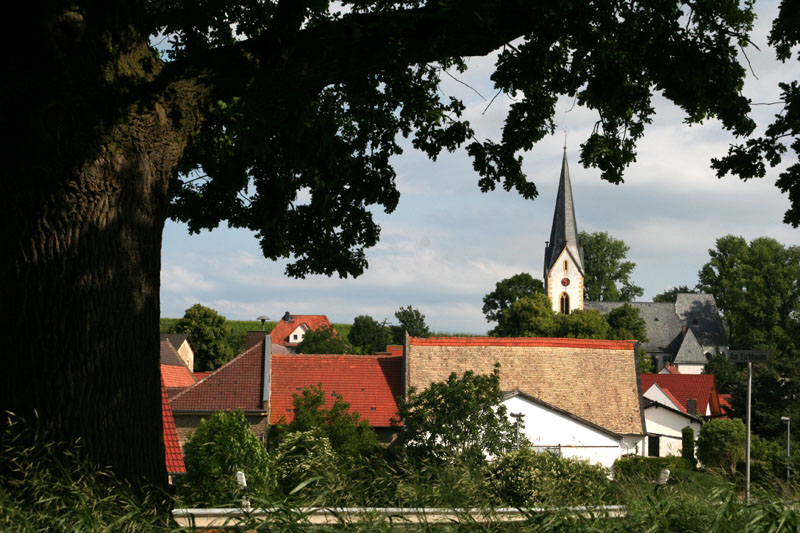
(447, 244)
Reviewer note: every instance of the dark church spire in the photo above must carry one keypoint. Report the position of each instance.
(564, 232)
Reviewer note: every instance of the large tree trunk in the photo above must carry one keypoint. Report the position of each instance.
(87, 177)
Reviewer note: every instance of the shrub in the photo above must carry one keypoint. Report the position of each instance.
(219, 447)
(307, 457)
(524, 477)
(636, 467)
(687, 444)
(721, 444)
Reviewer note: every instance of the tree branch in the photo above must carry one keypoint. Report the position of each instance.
(353, 46)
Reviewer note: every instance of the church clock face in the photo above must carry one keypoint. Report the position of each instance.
(565, 282)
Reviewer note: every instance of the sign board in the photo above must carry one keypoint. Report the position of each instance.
(749, 356)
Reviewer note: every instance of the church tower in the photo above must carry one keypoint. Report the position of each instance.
(563, 254)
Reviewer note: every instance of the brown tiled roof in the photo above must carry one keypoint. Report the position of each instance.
(371, 384)
(593, 379)
(280, 333)
(235, 385)
(173, 456)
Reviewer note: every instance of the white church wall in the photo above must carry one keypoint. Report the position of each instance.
(546, 428)
(555, 288)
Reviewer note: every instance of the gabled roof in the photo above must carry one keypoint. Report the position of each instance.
(700, 313)
(725, 404)
(174, 372)
(173, 456)
(176, 339)
(675, 402)
(690, 351)
(533, 399)
(650, 404)
(564, 231)
(280, 333)
(596, 380)
(371, 384)
(234, 385)
(701, 387)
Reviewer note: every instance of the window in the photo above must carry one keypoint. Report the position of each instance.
(565, 303)
(566, 265)
(294, 337)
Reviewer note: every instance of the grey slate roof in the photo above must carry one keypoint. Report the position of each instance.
(663, 325)
(175, 339)
(690, 351)
(698, 312)
(564, 232)
(168, 354)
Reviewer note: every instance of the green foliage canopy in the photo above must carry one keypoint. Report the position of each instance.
(530, 316)
(348, 435)
(608, 272)
(208, 336)
(721, 444)
(368, 335)
(218, 448)
(412, 321)
(324, 340)
(460, 418)
(508, 291)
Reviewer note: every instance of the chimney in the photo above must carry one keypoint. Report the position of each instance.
(266, 383)
(287, 317)
(691, 406)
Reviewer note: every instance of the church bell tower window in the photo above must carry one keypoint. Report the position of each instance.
(566, 265)
(564, 303)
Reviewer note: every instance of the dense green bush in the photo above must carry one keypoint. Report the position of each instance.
(721, 444)
(219, 447)
(307, 458)
(525, 477)
(687, 444)
(636, 467)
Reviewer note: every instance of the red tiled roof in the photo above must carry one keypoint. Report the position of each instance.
(523, 341)
(173, 456)
(371, 384)
(201, 375)
(235, 385)
(684, 386)
(280, 333)
(176, 376)
(725, 404)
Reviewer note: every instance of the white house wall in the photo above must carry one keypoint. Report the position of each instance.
(546, 428)
(656, 394)
(668, 425)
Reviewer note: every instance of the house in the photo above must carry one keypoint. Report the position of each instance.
(673, 401)
(591, 387)
(175, 373)
(173, 456)
(555, 430)
(685, 334)
(180, 341)
(262, 384)
(291, 329)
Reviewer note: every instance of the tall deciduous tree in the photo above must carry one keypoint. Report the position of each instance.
(258, 101)
(757, 288)
(412, 321)
(369, 335)
(508, 291)
(530, 316)
(208, 336)
(608, 272)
